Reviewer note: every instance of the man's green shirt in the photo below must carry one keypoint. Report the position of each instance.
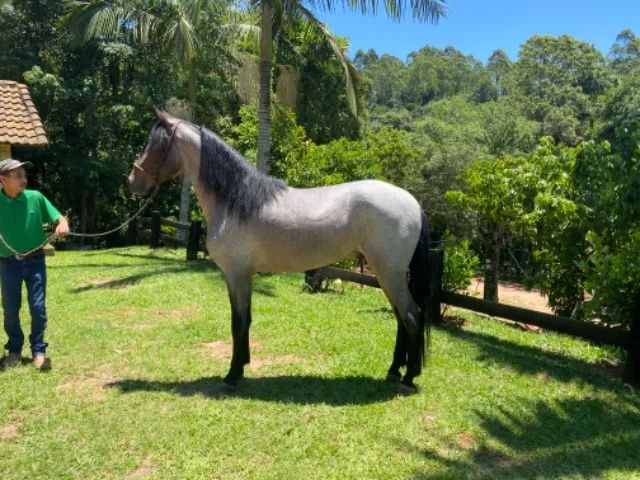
(22, 220)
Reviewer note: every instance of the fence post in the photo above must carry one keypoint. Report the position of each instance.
(193, 242)
(132, 232)
(632, 368)
(435, 297)
(155, 229)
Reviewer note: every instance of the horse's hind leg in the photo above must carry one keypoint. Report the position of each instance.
(239, 287)
(407, 350)
(400, 351)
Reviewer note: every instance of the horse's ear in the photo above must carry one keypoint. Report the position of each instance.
(167, 121)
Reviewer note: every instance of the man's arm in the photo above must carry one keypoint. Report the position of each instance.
(62, 227)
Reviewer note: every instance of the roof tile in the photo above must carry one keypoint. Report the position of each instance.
(19, 120)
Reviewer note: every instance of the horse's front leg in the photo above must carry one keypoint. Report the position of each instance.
(239, 287)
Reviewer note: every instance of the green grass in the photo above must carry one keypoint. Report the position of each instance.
(135, 337)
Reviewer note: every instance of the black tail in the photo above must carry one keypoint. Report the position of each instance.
(420, 286)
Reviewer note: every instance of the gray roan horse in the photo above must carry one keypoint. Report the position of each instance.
(257, 223)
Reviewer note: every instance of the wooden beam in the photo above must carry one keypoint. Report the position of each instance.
(173, 223)
(577, 328)
(586, 330)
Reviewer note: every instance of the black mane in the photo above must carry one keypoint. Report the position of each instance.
(236, 183)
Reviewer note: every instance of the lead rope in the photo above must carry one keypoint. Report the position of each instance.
(21, 256)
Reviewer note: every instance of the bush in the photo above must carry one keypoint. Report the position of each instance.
(460, 264)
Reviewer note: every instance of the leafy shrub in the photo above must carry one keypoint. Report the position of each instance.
(460, 264)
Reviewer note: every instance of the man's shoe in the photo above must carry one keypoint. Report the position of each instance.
(12, 360)
(40, 362)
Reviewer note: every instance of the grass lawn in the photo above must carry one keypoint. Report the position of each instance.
(140, 340)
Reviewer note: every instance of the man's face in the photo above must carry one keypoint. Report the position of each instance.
(14, 182)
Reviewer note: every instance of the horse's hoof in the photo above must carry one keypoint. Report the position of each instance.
(228, 387)
(231, 381)
(393, 377)
(406, 390)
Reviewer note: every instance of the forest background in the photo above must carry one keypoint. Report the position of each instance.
(527, 168)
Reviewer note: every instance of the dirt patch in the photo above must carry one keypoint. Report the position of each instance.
(274, 360)
(221, 350)
(513, 294)
(175, 313)
(466, 440)
(9, 430)
(493, 459)
(92, 387)
(146, 469)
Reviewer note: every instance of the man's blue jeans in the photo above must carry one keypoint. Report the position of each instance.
(31, 271)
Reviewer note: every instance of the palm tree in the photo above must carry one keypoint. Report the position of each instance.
(273, 13)
(172, 24)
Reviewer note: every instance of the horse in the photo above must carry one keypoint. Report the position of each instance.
(257, 223)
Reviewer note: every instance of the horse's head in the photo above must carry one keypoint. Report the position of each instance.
(159, 162)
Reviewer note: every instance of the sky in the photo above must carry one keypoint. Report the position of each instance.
(479, 27)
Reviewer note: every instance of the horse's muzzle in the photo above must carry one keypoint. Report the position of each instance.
(137, 185)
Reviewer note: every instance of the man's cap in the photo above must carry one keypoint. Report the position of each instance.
(11, 164)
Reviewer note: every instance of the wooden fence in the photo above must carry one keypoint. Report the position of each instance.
(151, 227)
(627, 339)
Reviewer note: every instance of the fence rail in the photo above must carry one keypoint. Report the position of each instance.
(193, 243)
(629, 340)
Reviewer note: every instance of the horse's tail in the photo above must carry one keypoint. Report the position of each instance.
(420, 285)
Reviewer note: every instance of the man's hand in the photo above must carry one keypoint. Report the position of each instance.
(62, 228)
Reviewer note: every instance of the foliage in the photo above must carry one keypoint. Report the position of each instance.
(558, 80)
(386, 154)
(578, 208)
(460, 264)
(612, 266)
(322, 77)
(625, 53)
(288, 138)
(620, 120)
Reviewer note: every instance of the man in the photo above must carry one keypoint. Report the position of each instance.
(23, 214)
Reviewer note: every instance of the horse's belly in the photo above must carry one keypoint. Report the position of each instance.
(296, 253)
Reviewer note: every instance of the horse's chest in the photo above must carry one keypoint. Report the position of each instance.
(227, 245)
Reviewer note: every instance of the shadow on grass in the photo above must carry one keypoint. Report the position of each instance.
(535, 361)
(136, 278)
(571, 438)
(287, 389)
(162, 265)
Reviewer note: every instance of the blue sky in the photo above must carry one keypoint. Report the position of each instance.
(479, 27)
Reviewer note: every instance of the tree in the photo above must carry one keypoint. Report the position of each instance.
(558, 81)
(307, 70)
(499, 195)
(172, 25)
(272, 16)
(625, 52)
(499, 67)
(387, 75)
(434, 74)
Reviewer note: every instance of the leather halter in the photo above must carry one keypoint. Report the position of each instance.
(165, 154)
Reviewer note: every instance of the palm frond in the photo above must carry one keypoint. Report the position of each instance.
(423, 10)
(108, 19)
(350, 72)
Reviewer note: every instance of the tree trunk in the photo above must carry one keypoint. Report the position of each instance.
(83, 213)
(492, 270)
(264, 99)
(185, 193)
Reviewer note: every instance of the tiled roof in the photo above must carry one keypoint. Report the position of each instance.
(19, 120)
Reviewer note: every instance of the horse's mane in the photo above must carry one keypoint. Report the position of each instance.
(236, 183)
